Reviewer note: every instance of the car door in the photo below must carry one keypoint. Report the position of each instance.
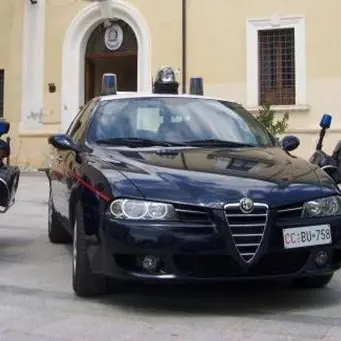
(76, 132)
(58, 174)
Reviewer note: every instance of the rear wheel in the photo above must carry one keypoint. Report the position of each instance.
(85, 282)
(56, 231)
(314, 282)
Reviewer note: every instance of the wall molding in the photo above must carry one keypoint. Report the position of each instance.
(33, 57)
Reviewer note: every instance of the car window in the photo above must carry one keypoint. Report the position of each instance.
(176, 119)
(75, 123)
(79, 126)
(148, 119)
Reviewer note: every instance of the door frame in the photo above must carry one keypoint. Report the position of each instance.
(89, 80)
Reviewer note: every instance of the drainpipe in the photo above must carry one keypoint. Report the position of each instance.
(184, 45)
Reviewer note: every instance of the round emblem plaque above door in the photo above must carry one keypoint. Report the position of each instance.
(113, 37)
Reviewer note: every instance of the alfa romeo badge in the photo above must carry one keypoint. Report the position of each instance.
(246, 205)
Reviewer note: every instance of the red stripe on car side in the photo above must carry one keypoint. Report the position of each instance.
(90, 187)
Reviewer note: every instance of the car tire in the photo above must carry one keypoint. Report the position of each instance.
(314, 282)
(85, 283)
(56, 232)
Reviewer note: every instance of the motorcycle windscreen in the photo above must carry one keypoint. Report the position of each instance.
(9, 181)
(333, 172)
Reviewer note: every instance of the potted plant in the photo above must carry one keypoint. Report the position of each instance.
(267, 117)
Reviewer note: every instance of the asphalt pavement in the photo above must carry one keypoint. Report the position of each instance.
(37, 302)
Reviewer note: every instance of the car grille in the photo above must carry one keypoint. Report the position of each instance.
(215, 266)
(193, 215)
(247, 229)
(289, 212)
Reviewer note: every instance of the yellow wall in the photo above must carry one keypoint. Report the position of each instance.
(10, 55)
(11, 18)
(216, 51)
(163, 28)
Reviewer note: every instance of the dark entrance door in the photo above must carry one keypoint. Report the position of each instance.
(111, 50)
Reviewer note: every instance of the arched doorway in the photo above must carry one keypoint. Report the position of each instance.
(111, 49)
(74, 47)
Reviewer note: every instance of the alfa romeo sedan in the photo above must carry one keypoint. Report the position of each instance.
(168, 187)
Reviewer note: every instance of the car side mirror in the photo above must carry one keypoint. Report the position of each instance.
(63, 142)
(290, 143)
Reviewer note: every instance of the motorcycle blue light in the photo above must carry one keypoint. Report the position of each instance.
(109, 84)
(196, 86)
(4, 127)
(326, 121)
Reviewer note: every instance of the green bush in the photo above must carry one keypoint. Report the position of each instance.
(267, 117)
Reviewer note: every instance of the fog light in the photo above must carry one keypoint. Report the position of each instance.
(150, 263)
(321, 258)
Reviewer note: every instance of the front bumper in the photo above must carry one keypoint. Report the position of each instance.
(206, 252)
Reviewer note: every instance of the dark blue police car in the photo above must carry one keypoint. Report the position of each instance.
(165, 187)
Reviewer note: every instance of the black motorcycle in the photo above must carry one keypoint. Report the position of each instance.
(331, 164)
(9, 175)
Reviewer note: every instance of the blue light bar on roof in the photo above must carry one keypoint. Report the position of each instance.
(109, 84)
(196, 86)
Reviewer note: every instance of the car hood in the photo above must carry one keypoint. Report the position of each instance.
(215, 176)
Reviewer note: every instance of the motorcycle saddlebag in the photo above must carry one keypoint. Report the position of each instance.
(9, 180)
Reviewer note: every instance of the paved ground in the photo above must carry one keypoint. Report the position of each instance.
(37, 303)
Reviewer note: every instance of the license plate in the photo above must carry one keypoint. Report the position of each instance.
(307, 236)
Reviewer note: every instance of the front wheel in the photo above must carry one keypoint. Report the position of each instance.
(85, 283)
(314, 282)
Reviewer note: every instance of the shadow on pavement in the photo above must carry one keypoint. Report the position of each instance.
(235, 299)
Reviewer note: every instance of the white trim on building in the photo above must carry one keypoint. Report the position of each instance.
(33, 65)
(252, 80)
(72, 96)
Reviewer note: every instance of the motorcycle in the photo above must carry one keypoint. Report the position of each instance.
(9, 175)
(329, 163)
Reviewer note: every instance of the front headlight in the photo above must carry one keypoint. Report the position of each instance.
(328, 206)
(142, 210)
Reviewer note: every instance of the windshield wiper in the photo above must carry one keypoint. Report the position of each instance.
(137, 142)
(217, 142)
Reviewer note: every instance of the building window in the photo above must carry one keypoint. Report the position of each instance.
(2, 92)
(276, 62)
(276, 66)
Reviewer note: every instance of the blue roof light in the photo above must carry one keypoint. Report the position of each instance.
(109, 84)
(196, 86)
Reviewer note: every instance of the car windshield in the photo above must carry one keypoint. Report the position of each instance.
(176, 120)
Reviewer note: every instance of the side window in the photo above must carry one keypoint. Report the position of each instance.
(80, 124)
(75, 123)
